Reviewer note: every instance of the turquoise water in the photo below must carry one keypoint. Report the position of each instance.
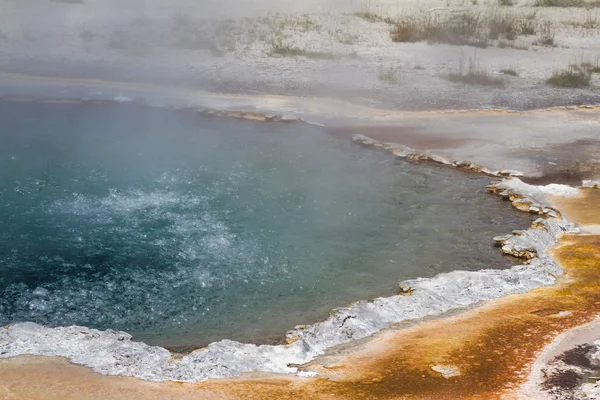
(183, 229)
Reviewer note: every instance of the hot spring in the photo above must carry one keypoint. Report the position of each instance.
(184, 229)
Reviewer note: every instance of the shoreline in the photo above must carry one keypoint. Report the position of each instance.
(491, 347)
(523, 196)
(365, 318)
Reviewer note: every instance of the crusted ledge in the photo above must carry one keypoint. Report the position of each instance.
(400, 150)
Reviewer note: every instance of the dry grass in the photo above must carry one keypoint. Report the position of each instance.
(509, 71)
(589, 23)
(587, 65)
(291, 51)
(388, 76)
(546, 35)
(373, 17)
(513, 45)
(458, 29)
(576, 76)
(468, 28)
(474, 75)
(567, 3)
(280, 21)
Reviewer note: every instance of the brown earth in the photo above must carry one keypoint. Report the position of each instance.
(581, 208)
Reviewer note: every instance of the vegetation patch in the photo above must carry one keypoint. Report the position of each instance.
(388, 76)
(509, 71)
(546, 35)
(576, 76)
(373, 17)
(474, 75)
(588, 66)
(468, 28)
(589, 23)
(567, 3)
(290, 51)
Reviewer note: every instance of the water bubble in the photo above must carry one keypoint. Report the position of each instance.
(40, 291)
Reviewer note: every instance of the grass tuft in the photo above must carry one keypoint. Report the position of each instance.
(573, 77)
(290, 51)
(509, 71)
(589, 23)
(372, 17)
(567, 3)
(469, 28)
(388, 76)
(474, 75)
(546, 35)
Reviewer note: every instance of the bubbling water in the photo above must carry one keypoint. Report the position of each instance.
(184, 229)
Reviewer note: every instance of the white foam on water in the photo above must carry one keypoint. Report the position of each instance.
(194, 239)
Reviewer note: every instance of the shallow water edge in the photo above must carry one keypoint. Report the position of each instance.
(113, 353)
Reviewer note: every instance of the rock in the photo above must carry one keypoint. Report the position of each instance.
(254, 116)
(405, 290)
(447, 371)
(307, 374)
(562, 314)
(288, 118)
(362, 139)
(510, 172)
(591, 184)
(437, 159)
